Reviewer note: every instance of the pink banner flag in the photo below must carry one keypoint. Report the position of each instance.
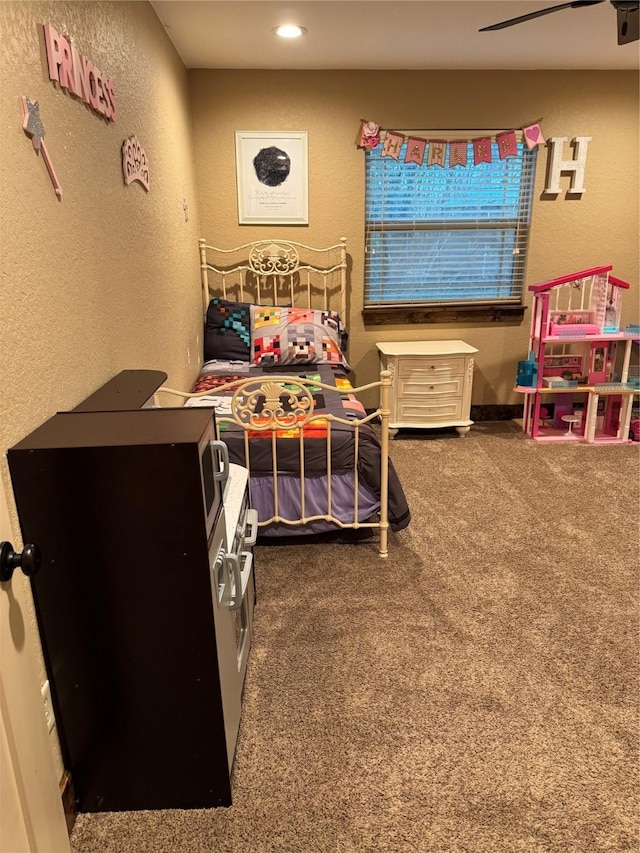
(458, 153)
(507, 144)
(533, 135)
(392, 145)
(437, 153)
(482, 150)
(415, 150)
(369, 135)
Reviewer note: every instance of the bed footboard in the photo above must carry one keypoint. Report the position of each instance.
(277, 427)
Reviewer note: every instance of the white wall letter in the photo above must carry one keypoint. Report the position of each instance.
(556, 164)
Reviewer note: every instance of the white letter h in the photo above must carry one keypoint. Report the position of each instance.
(556, 164)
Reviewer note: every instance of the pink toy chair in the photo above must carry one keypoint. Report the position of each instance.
(544, 417)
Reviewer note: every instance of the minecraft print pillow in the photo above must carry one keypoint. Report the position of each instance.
(227, 332)
(295, 336)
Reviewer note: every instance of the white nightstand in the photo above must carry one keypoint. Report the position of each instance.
(431, 383)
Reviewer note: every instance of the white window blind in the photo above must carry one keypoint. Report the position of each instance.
(447, 236)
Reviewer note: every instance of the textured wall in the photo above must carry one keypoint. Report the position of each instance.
(107, 278)
(567, 235)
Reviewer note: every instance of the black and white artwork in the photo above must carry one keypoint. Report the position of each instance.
(272, 179)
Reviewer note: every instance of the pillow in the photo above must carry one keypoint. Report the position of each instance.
(227, 332)
(295, 336)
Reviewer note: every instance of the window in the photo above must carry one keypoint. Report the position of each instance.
(447, 237)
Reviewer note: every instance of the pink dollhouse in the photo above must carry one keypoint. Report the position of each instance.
(579, 360)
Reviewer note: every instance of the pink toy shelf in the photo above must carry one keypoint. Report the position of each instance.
(581, 390)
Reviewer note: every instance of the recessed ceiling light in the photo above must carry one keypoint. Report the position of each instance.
(289, 31)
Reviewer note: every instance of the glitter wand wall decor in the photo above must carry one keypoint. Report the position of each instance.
(32, 126)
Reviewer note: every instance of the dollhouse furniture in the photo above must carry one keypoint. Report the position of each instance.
(570, 420)
(581, 360)
(431, 383)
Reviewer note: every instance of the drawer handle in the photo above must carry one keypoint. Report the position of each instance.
(252, 524)
(433, 367)
(431, 387)
(234, 572)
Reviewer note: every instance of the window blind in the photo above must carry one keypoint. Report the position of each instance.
(437, 235)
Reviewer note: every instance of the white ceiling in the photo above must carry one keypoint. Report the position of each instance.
(393, 34)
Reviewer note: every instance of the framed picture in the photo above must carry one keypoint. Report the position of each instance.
(272, 177)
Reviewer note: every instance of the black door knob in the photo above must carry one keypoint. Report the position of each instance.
(29, 561)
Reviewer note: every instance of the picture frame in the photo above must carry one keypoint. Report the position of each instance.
(272, 177)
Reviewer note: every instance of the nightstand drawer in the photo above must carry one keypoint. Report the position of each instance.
(430, 386)
(419, 412)
(423, 368)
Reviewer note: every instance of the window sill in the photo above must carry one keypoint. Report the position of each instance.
(444, 314)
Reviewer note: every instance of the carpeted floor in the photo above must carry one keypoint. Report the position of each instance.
(477, 692)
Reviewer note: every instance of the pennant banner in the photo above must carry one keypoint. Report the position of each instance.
(434, 152)
(437, 153)
(415, 150)
(393, 142)
(507, 144)
(458, 153)
(533, 135)
(368, 135)
(481, 150)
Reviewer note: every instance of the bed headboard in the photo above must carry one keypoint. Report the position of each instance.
(277, 272)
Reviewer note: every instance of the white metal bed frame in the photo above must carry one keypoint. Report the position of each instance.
(276, 271)
(273, 272)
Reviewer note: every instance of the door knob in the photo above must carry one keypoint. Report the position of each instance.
(29, 560)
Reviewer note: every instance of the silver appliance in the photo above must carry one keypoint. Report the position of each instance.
(233, 590)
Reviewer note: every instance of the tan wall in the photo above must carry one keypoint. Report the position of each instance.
(567, 235)
(107, 278)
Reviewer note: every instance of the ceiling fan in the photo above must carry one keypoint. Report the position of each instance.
(627, 12)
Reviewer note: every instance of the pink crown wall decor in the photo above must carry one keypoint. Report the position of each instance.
(135, 166)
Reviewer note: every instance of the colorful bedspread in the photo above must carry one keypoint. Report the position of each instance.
(325, 400)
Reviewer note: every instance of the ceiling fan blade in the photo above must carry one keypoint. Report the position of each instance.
(628, 22)
(575, 5)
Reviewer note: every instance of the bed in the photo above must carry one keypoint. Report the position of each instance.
(276, 372)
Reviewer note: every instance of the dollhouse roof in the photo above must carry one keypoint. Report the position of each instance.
(576, 276)
(618, 282)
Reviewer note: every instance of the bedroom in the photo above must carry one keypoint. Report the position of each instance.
(107, 277)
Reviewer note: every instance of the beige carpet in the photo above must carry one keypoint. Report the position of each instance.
(475, 693)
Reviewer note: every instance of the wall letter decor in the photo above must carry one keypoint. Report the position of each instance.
(78, 75)
(556, 165)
